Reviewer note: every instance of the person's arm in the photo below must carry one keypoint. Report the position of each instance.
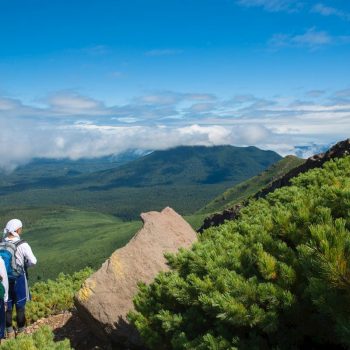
(28, 255)
(5, 281)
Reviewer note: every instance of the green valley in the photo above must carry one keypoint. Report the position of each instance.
(74, 221)
(185, 178)
(69, 239)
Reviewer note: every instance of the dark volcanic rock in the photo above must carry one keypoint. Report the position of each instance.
(107, 296)
(219, 218)
(341, 149)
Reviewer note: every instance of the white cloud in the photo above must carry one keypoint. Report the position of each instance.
(273, 5)
(73, 103)
(325, 10)
(315, 93)
(294, 6)
(307, 150)
(78, 141)
(253, 134)
(72, 125)
(343, 93)
(206, 135)
(7, 104)
(159, 99)
(128, 120)
(172, 98)
(341, 97)
(201, 107)
(243, 99)
(199, 97)
(311, 39)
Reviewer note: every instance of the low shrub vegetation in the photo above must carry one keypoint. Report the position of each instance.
(43, 339)
(54, 296)
(277, 278)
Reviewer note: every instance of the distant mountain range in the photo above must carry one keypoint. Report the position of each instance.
(187, 166)
(184, 177)
(46, 168)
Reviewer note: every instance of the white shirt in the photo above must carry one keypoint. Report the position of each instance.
(24, 254)
(5, 281)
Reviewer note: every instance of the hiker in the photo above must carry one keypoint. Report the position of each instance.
(4, 286)
(18, 284)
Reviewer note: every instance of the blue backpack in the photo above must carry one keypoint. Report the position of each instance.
(8, 251)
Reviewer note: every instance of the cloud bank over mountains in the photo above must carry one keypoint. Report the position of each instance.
(68, 124)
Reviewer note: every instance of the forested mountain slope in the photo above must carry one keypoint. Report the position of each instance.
(188, 165)
(184, 178)
(245, 189)
(43, 172)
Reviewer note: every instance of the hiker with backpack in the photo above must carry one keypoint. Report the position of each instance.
(4, 286)
(17, 256)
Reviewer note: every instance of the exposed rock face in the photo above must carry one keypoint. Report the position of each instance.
(106, 297)
(341, 149)
(218, 219)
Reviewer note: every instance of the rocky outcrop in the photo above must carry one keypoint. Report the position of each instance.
(106, 297)
(219, 218)
(341, 149)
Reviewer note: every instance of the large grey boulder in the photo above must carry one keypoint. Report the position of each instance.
(106, 297)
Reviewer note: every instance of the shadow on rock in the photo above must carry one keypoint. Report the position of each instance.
(80, 337)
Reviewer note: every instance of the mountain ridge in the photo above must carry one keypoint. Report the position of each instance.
(339, 150)
(243, 190)
(170, 165)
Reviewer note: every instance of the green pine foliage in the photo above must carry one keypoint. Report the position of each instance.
(54, 296)
(43, 339)
(277, 278)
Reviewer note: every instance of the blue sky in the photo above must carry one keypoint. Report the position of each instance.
(90, 78)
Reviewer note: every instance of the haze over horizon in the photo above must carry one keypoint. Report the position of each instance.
(92, 78)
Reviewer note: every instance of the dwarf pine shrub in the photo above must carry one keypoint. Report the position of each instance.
(277, 278)
(43, 339)
(54, 296)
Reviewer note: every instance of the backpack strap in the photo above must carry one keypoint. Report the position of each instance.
(25, 266)
(18, 243)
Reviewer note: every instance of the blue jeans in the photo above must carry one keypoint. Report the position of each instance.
(18, 296)
(18, 292)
